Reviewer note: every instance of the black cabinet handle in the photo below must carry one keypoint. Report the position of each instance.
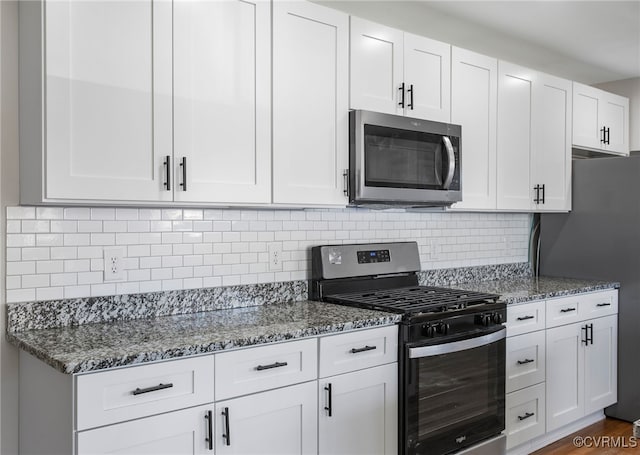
(537, 190)
(366, 348)
(567, 310)
(183, 165)
(524, 318)
(591, 333)
(272, 365)
(525, 361)
(167, 168)
(209, 439)
(345, 177)
(607, 133)
(410, 90)
(603, 130)
(155, 388)
(401, 103)
(585, 340)
(329, 407)
(526, 415)
(542, 188)
(603, 304)
(226, 435)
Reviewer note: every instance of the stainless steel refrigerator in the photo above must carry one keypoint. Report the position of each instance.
(600, 239)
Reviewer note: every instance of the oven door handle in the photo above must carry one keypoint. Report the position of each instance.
(457, 346)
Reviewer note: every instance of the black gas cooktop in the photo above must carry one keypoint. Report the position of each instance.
(414, 300)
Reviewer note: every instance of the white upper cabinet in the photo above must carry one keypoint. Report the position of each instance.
(515, 93)
(310, 104)
(222, 93)
(399, 73)
(600, 120)
(474, 102)
(533, 141)
(551, 158)
(106, 100)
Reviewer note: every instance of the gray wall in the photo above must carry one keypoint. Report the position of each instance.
(8, 196)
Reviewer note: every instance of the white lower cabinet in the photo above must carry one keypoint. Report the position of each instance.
(279, 422)
(259, 400)
(176, 433)
(561, 366)
(358, 412)
(525, 414)
(582, 369)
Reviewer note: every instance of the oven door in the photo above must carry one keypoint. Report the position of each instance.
(454, 395)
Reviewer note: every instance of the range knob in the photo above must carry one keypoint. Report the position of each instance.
(443, 328)
(428, 331)
(497, 318)
(483, 319)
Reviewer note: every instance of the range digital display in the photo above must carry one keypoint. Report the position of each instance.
(372, 256)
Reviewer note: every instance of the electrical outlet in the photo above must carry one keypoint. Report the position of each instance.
(113, 264)
(275, 256)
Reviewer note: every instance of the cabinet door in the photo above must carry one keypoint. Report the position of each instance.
(280, 422)
(474, 100)
(601, 364)
(515, 93)
(176, 433)
(586, 122)
(364, 412)
(222, 83)
(551, 134)
(615, 117)
(310, 103)
(108, 100)
(565, 375)
(427, 74)
(376, 67)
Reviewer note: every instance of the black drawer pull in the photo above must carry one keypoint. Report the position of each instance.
(524, 318)
(603, 304)
(140, 391)
(526, 415)
(525, 361)
(567, 310)
(273, 365)
(366, 348)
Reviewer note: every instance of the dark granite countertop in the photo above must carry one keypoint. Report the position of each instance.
(91, 347)
(525, 289)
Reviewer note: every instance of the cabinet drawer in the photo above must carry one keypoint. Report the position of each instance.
(565, 310)
(265, 367)
(599, 304)
(356, 350)
(525, 360)
(525, 415)
(524, 318)
(130, 393)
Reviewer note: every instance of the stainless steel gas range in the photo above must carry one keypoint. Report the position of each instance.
(452, 346)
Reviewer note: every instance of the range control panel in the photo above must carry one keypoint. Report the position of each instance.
(371, 256)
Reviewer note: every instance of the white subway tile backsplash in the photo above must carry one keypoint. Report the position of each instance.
(60, 250)
(103, 214)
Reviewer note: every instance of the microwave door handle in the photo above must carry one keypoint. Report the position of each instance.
(451, 162)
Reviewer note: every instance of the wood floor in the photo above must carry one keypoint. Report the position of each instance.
(619, 433)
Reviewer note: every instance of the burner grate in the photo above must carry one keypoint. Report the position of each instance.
(415, 299)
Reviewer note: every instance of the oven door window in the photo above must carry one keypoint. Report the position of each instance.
(455, 399)
(396, 158)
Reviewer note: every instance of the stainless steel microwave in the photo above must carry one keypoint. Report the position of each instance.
(402, 161)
